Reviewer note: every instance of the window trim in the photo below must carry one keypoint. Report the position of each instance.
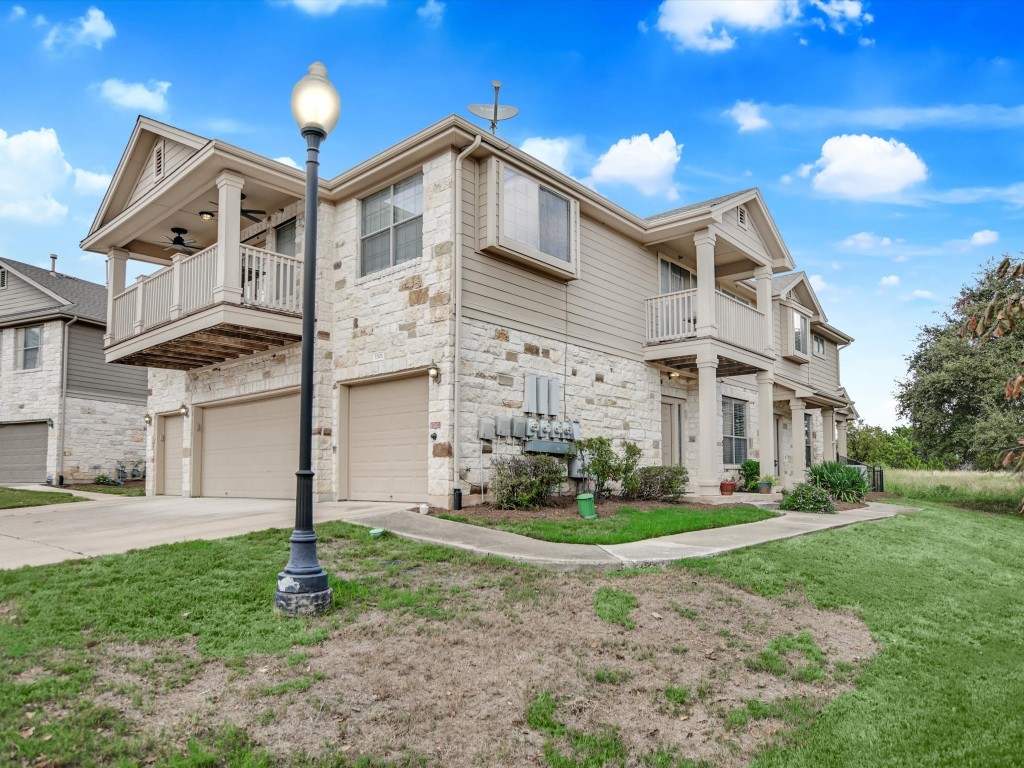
(787, 317)
(493, 236)
(392, 226)
(20, 348)
(675, 263)
(294, 221)
(732, 402)
(815, 338)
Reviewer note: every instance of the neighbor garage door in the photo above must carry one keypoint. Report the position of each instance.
(387, 441)
(23, 453)
(251, 449)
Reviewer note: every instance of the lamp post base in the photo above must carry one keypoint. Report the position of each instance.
(291, 603)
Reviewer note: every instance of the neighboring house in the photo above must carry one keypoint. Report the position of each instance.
(64, 411)
(470, 300)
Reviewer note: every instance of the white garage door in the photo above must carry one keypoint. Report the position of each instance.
(23, 453)
(388, 441)
(251, 449)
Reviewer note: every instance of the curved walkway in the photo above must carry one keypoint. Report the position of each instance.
(713, 541)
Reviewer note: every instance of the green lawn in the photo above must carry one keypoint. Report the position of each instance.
(15, 498)
(984, 491)
(625, 525)
(114, 490)
(941, 591)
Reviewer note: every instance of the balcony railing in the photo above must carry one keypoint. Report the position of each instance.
(673, 317)
(267, 280)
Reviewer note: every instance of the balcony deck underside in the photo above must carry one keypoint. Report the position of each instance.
(682, 356)
(213, 335)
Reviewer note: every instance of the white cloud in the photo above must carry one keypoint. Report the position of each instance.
(889, 281)
(818, 284)
(561, 153)
(1012, 195)
(865, 241)
(89, 183)
(748, 116)
(866, 42)
(704, 25)
(922, 294)
(840, 13)
(32, 171)
(642, 162)
(984, 237)
(288, 161)
(805, 170)
(40, 21)
(432, 12)
(863, 167)
(136, 95)
(805, 118)
(327, 7)
(93, 29)
(17, 13)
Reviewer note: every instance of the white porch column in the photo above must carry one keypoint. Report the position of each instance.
(797, 406)
(176, 285)
(117, 263)
(841, 438)
(707, 424)
(229, 215)
(828, 428)
(763, 275)
(766, 422)
(707, 325)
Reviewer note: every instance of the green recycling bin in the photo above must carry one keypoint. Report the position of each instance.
(585, 503)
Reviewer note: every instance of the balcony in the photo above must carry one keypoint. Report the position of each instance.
(736, 331)
(207, 307)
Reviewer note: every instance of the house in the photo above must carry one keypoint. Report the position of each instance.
(471, 301)
(64, 411)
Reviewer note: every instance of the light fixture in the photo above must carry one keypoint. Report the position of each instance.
(673, 374)
(49, 423)
(315, 102)
(206, 215)
(183, 410)
(148, 419)
(433, 372)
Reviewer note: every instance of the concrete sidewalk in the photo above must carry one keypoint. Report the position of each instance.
(666, 549)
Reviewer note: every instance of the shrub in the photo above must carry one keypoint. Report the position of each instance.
(750, 472)
(807, 498)
(627, 468)
(107, 480)
(655, 483)
(524, 482)
(840, 481)
(599, 462)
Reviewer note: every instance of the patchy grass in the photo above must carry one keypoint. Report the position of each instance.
(794, 711)
(940, 589)
(614, 676)
(114, 490)
(614, 606)
(985, 491)
(16, 498)
(625, 525)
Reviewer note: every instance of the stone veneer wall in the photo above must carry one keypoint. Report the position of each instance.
(99, 434)
(786, 441)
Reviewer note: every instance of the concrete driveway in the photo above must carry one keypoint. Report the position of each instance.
(112, 524)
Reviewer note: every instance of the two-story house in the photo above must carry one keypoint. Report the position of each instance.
(64, 411)
(471, 302)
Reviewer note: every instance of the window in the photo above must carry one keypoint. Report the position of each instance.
(284, 238)
(392, 226)
(734, 431)
(736, 296)
(27, 351)
(807, 440)
(676, 278)
(799, 333)
(535, 216)
(819, 345)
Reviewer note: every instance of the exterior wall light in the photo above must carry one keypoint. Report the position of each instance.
(434, 373)
(673, 374)
(148, 419)
(183, 410)
(206, 215)
(49, 423)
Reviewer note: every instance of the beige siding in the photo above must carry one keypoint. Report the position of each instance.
(20, 296)
(789, 369)
(89, 376)
(748, 236)
(174, 155)
(824, 372)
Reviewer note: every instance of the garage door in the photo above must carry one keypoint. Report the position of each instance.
(171, 451)
(23, 453)
(251, 449)
(387, 441)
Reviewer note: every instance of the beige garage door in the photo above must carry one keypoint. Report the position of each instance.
(388, 441)
(171, 437)
(23, 453)
(251, 449)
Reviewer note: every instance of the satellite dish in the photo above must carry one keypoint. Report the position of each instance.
(494, 112)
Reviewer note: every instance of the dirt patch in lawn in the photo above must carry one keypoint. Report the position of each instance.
(457, 690)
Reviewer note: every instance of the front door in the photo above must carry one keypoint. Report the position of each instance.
(673, 445)
(778, 450)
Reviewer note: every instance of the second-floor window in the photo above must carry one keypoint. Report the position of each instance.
(734, 431)
(392, 226)
(27, 350)
(818, 345)
(676, 278)
(284, 238)
(535, 216)
(799, 333)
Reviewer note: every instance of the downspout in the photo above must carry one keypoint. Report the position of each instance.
(63, 402)
(457, 266)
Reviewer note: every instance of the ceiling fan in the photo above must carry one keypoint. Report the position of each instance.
(178, 242)
(249, 213)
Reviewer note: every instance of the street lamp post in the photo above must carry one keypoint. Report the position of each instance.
(302, 588)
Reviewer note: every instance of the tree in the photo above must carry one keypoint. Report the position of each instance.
(952, 396)
(897, 449)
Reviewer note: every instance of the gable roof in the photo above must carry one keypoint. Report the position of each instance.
(712, 203)
(72, 295)
(783, 284)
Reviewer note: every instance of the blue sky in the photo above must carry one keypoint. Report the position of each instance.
(884, 136)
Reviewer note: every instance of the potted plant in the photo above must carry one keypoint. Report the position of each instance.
(727, 486)
(764, 485)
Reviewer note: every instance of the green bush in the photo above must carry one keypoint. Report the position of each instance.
(808, 498)
(524, 482)
(106, 480)
(628, 474)
(599, 462)
(840, 481)
(656, 483)
(750, 473)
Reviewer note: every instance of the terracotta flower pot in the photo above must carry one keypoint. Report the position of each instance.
(727, 487)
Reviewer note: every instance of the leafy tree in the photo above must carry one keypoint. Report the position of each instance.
(953, 396)
(898, 449)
